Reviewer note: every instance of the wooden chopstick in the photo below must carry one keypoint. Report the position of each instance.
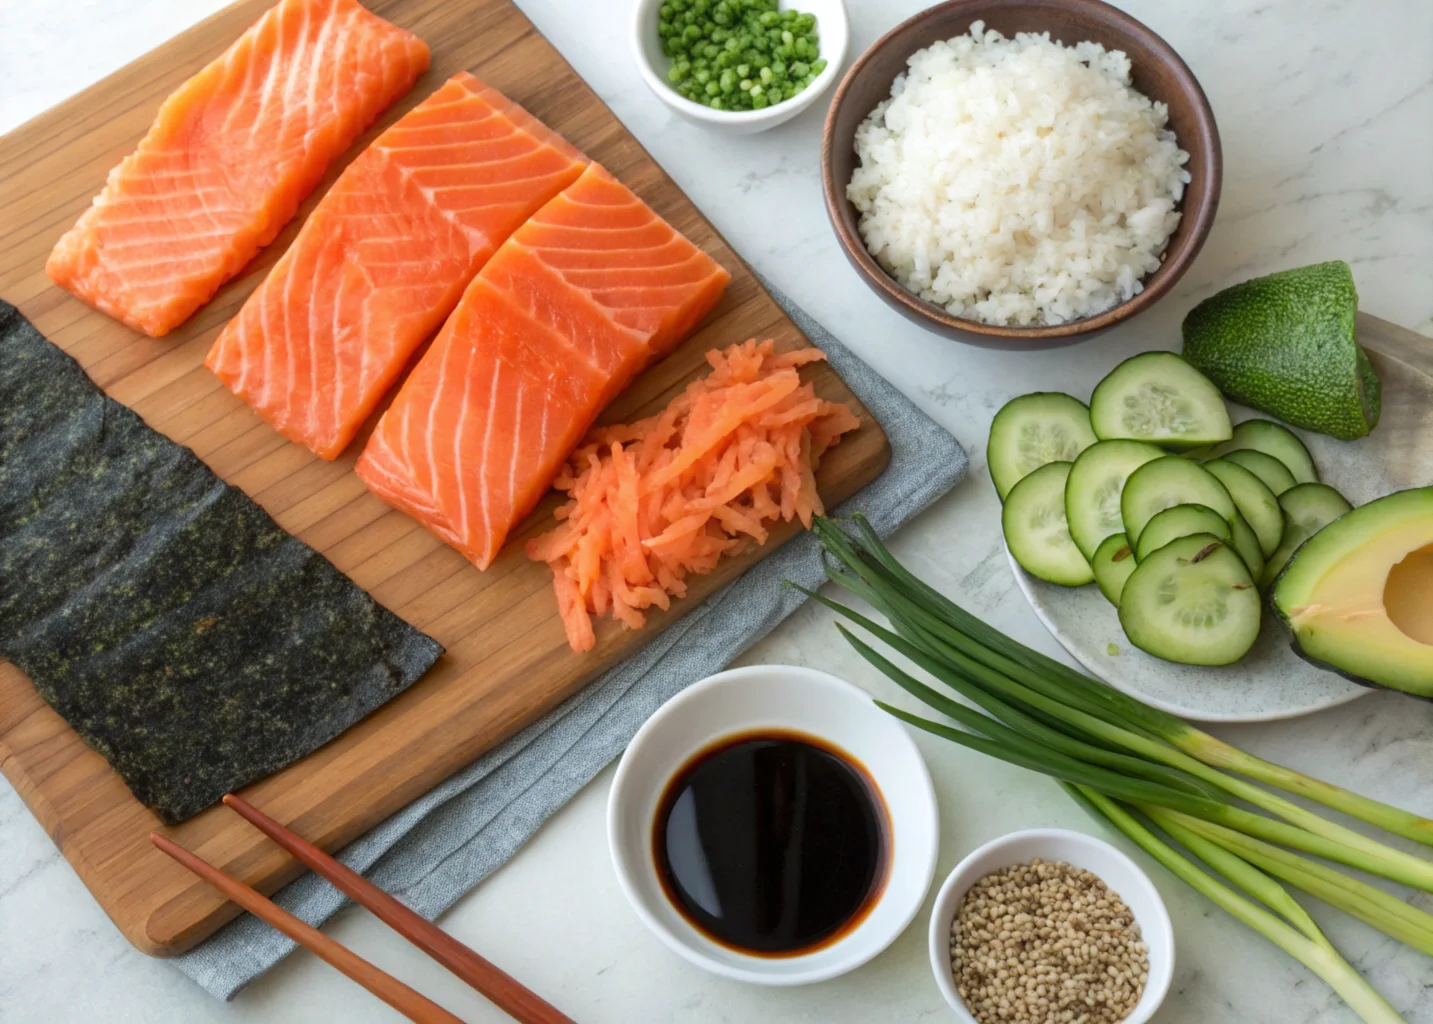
(411, 1004)
(501, 988)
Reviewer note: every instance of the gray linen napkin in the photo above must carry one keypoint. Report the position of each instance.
(442, 845)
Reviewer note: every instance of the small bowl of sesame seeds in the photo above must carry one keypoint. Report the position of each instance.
(1050, 926)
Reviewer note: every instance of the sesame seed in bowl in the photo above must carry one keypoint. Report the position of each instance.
(1051, 926)
(1047, 941)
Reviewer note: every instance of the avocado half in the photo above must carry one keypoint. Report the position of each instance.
(1358, 595)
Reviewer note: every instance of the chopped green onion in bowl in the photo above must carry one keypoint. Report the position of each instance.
(738, 54)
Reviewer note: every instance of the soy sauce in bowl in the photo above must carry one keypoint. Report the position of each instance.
(772, 843)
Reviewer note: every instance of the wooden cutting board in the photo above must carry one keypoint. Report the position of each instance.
(507, 659)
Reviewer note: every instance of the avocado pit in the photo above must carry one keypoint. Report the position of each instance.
(1408, 595)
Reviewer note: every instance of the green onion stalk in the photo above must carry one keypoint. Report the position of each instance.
(1302, 939)
(1324, 839)
(1368, 903)
(1007, 745)
(963, 643)
(997, 650)
(1120, 757)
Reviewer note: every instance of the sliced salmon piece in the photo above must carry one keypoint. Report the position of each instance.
(229, 158)
(581, 297)
(384, 258)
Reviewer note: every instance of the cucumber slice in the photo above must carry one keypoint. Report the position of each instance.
(1275, 474)
(1313, 506)
(1246, 544)
(1035, 528)
(1308, 508)
(1256, 503)
(1273, 439)
(1192, 601)
(1158, 397)
(1112, 565)
(1092, 495)
(1167, 482)
(1033, 430)
(1176, 522)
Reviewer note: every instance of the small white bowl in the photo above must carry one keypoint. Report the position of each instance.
(775, 697)
(1122, 875)
(832, 25)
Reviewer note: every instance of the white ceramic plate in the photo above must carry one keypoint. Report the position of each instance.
(1271, 681)
(780, 697)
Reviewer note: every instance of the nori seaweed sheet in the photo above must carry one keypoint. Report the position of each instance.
(184, 634)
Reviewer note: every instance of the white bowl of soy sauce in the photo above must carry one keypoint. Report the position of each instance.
(772, 825)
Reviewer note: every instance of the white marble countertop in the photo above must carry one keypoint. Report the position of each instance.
(1326, 112)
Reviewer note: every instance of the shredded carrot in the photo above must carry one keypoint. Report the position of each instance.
(658, 500)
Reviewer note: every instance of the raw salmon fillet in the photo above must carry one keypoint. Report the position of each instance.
(229, 158)
(582, 297)
(384, 258)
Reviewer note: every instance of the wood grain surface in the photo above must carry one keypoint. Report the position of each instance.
(507, 659)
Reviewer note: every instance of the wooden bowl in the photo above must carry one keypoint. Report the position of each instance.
(1158, 72)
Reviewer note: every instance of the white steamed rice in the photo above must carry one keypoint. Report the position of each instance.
(1018, 181)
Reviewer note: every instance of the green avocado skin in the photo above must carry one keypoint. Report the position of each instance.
(1284, 344)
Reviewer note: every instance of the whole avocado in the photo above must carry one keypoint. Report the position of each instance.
(1285, 344)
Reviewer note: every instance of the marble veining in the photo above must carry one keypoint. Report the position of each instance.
(1326, 114)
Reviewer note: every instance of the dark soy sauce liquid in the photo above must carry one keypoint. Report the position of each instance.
(772, 842)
